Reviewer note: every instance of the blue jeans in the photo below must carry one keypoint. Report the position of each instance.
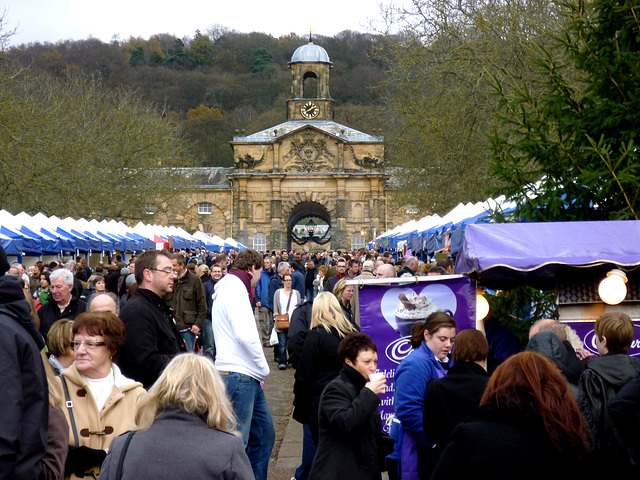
(208, 343)
(254, 420)
(190, 338)
(282, 347)
(309, 450)
(311, 295)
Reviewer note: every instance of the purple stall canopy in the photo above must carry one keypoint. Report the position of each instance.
(506, 255)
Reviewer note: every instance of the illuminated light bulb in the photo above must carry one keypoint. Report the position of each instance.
(612, 289)
(482, 306)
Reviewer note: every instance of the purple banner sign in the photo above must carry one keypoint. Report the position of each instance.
(388, 311)
(587, 335)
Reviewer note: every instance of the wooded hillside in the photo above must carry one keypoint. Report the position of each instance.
(221, 82)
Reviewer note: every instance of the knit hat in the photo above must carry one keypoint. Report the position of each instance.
(130, 280)
(367, 266)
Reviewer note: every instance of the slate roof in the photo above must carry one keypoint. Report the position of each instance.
(330, 127)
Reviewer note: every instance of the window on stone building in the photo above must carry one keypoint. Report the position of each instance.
(204, 208)
(260, 242)
(357, 241)
(149, 208)
(412, 209)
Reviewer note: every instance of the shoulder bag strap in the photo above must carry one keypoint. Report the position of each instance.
(125, 447)
(289, 302)
(69, 405)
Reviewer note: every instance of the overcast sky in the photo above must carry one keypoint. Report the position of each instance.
(53, 20)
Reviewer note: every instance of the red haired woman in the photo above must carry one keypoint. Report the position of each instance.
(527, 427)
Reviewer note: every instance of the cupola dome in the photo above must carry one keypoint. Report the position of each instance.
(310, 53)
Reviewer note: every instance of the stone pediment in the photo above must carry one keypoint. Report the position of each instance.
(309, 152)
(308, 147)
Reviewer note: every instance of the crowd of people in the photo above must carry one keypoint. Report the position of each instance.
(107, 370)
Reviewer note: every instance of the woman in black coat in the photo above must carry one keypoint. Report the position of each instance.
(450, 399)
(528, 427)
(349, 421)
(319, 362)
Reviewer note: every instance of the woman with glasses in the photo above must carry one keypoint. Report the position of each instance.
(285, 300)
(99, 402)
(344, 294)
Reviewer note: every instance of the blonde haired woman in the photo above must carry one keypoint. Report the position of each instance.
(318, 365)
(344, 294)
(183, 429)
(59, 341)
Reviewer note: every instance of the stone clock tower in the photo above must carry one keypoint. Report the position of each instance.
(309, 183)
(310, 98)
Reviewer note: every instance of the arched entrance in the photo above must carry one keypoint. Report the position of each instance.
(309, 227)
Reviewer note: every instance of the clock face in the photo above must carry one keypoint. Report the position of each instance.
(310, 110)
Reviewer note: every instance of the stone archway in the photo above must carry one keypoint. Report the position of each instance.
(307, 221)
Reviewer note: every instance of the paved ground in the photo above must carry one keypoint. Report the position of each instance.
(287, 451)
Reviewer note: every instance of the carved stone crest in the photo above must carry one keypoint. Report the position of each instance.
(248, 162)
(309, 154)
(367, 161)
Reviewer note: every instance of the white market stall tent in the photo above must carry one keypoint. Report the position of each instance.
(429, 234)
(43, 236)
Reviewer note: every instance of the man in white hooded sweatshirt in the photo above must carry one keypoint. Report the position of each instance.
(240, 358)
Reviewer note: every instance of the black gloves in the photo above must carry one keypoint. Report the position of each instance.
(81, 459)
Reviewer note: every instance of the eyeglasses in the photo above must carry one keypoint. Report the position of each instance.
(87, 345)
(288, 280)
(168, 272)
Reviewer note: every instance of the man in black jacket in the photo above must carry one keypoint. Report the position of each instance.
(24, 402)
(188, 300)
(152, 337)
(409, 267)
(571, 367)
(64, 304)
(310, 275)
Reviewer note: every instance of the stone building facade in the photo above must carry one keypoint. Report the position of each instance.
(307, 172)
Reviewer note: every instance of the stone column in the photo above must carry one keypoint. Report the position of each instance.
(241, 210)
(277, 239)
(339, 235)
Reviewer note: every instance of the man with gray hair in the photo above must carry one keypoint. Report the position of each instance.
(103, 302)
(64, 304)
(21, 273)
(409, 267)
(549, 325)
